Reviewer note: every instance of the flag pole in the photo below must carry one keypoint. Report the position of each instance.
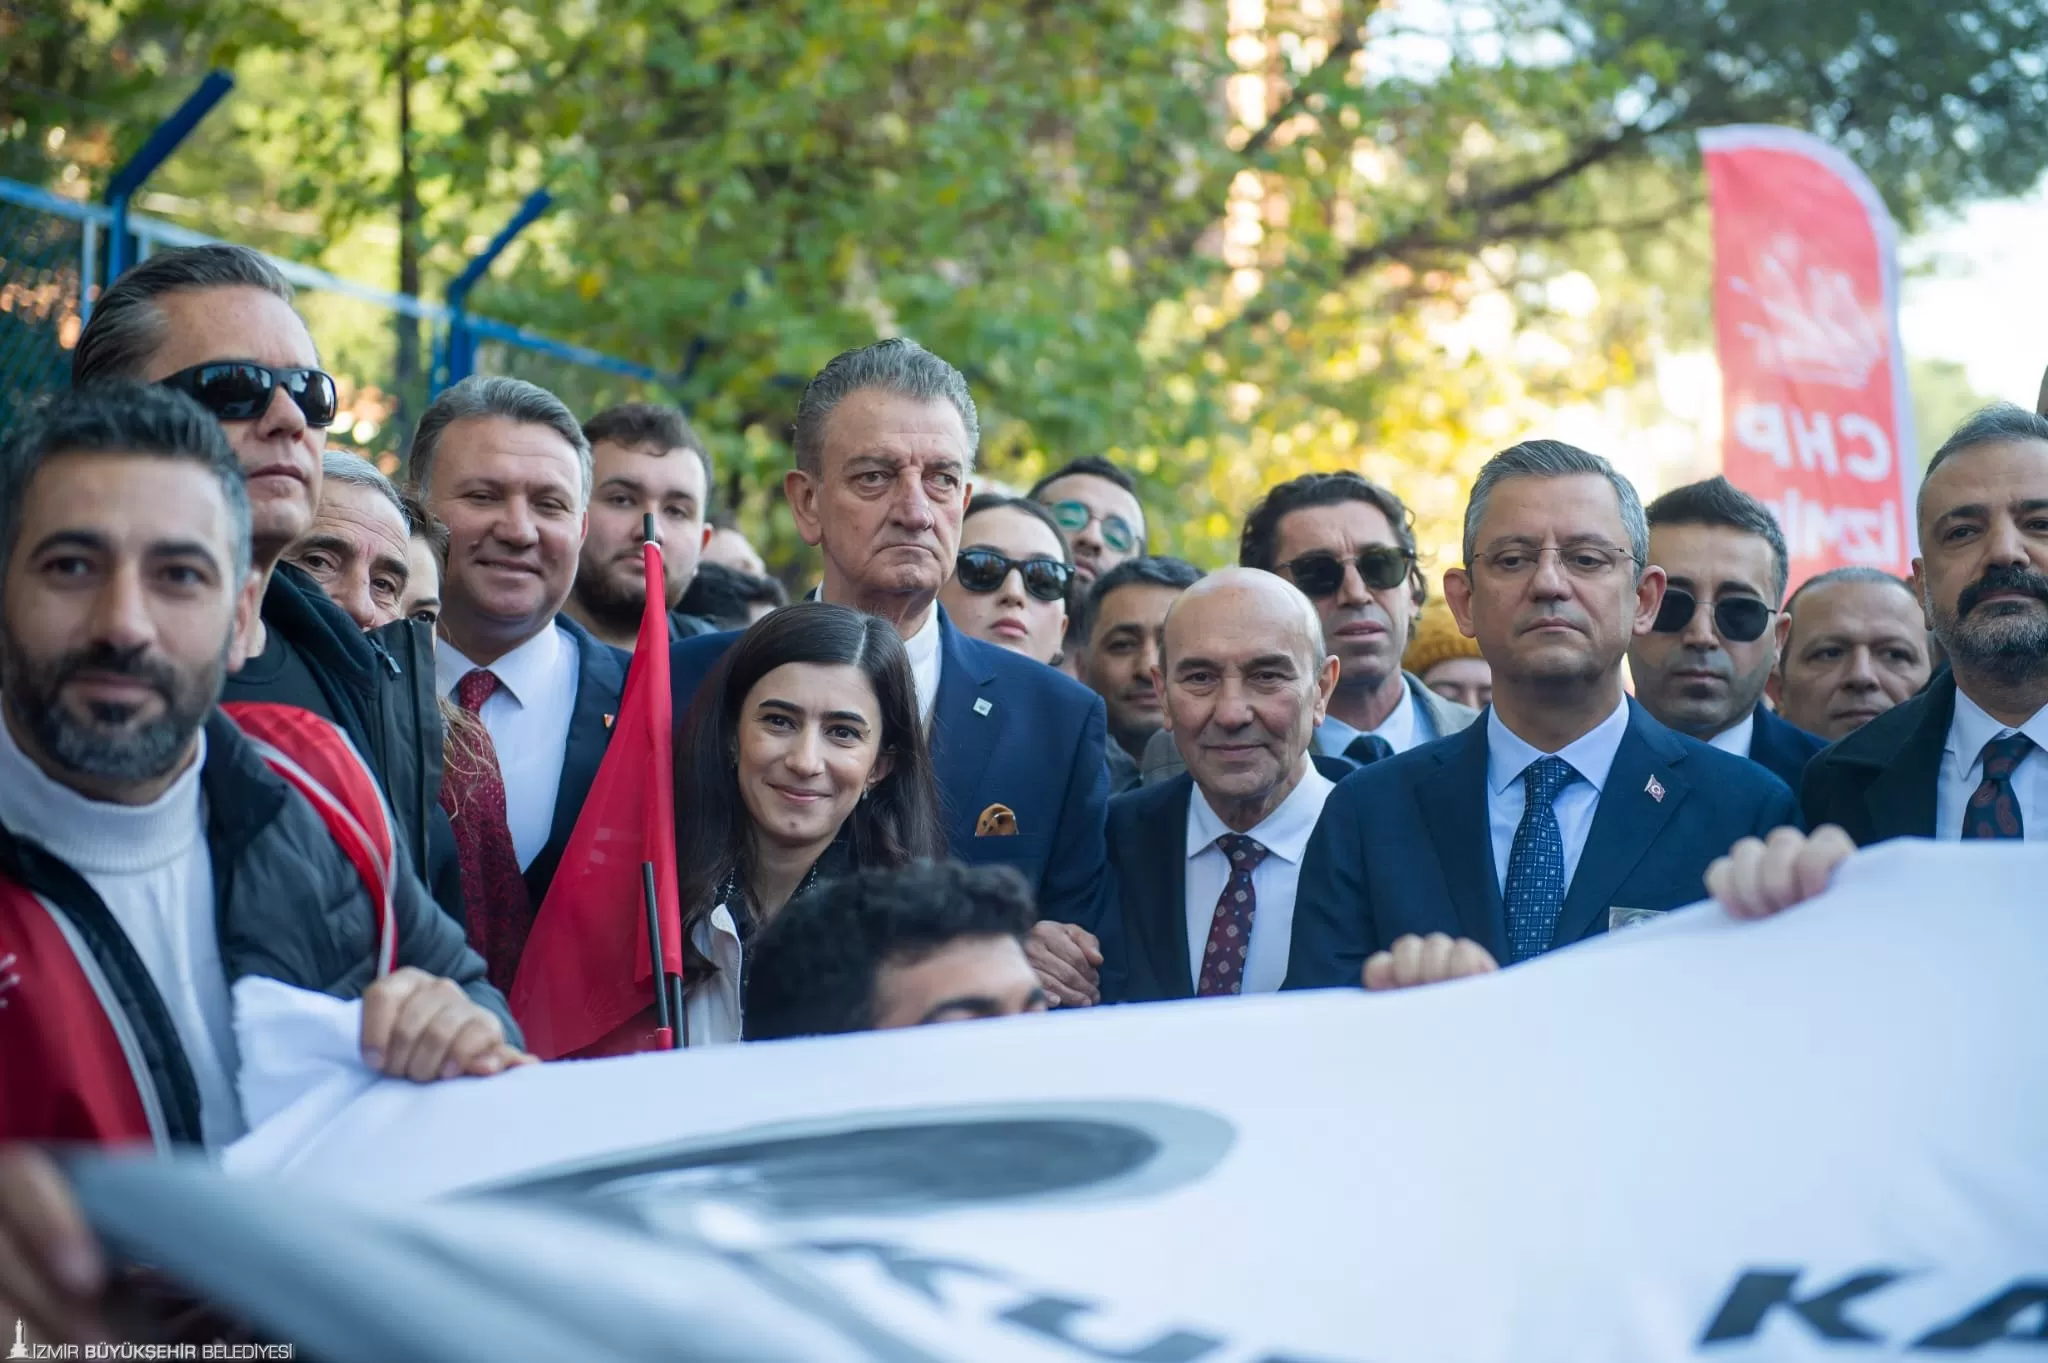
(664, 1033)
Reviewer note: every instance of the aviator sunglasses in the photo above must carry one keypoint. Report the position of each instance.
(1738, 619)
(234, 390)
(1321, 573)
(982, 571)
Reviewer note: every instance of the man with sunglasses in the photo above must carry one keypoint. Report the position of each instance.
(1096, 504)
(1525, 831)
(1704, 664)
(216, 323)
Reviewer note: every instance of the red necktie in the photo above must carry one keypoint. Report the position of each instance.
(1230, 927)
(1994, 810)
(493, 892)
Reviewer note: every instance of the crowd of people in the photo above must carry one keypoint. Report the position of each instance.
(269, 713)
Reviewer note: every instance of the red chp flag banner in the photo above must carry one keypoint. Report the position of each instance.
(586, 975)
(1818, 421)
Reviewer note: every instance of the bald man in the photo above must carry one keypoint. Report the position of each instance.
(1206, 861)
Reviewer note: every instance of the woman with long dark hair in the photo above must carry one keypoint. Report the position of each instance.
(803, 756)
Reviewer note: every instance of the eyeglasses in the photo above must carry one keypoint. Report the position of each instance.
(1321, 573)
(235, 391)
(1587, 562)
(1738, 619)
(984, 570)
(1074, 517)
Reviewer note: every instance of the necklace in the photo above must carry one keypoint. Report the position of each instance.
(729, 893)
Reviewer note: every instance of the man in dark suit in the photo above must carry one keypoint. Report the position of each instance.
(1702, 668)
(1207, 863)
(884, 445)
(506, 467)
(1968, 757)
(1521, 833)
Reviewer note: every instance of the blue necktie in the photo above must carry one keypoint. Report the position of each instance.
(1367, 749)
(1536, 878)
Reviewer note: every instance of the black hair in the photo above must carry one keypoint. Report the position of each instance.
(997, 501)
(1092, 465)
(896, 823)
(1998, 424)
(1149, 570)
(1716, 501)
(127, 326)
(812, 969)
(649, 424)
(725, 596)
(1259, 546)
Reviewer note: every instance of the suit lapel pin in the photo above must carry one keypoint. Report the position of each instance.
(1655, 789)
(982, 707)
(608, 721)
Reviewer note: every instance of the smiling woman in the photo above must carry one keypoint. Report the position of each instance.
(802, 755)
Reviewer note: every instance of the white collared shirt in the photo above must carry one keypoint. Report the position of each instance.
(1737, 737)
(1591, 755)
(1284, 834)
(1406, 726)
(1962, 770)
(528, 720)
(925, 657)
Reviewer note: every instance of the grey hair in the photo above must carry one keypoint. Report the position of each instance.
(127, 327)
(2001, 423)
(1854, 572)
(482, 395)
(898, 365)
(339, 467)
(1555, 459)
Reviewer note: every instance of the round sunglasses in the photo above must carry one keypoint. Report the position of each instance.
(1321, 573)
(1738, 619)
(234, 390)
(983, 570)
(1073, 517)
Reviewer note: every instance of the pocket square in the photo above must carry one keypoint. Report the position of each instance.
(997, 821)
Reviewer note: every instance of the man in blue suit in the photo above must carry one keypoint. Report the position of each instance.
(884, 445)
(1702, 668)
(1567, 800)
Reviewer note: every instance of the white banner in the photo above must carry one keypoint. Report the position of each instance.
(1823, 1136)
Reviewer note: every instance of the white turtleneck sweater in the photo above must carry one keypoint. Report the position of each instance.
(149, 864)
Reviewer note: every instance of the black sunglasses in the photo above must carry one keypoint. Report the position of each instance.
(237, 391)
(1738, 619)
(983, 570)
(1322, 573)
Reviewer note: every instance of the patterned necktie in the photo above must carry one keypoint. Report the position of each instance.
(1994, 811)
(495, 902)
(1367, 749)
(1536, 878)
(1230, 927)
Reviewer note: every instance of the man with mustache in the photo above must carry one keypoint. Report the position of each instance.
(1965, 758)
(645, 461)
(1702, 667)
(1523, 832)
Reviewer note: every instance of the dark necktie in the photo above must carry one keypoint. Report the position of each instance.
(1536, 878)
(1230, 927)
(1367, 749)
(494, 894)
(1994, 811)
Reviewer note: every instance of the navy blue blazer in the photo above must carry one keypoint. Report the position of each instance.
(1009, 731)
(1782, 749)
(1148, 843)
(600, 681)
(1406, 846)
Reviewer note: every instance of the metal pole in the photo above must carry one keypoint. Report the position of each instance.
(154, 153)
(458, 356)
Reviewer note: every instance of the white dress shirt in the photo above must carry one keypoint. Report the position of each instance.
(1736, 737)
(528, 720)
(923, 648)
(1284, 834)
(1591, 755)
(1406, 726)
(1962, 770)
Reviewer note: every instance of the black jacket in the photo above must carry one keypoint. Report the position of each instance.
(290, 907)
(1781, 748)
(1880, 781)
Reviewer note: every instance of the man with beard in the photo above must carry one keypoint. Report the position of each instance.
(1122, 632)
(645, 461)
(1702, 667)
(152, 853)
(1965, 759)
(1521, 833)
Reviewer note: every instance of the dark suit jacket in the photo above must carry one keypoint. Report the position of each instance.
(1148, 829)
(1010, 731)
(1880, 781)
(1780, 748)
(600, 681)
(1405, 846)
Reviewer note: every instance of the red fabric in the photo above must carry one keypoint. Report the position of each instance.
(586, 971)
(494, 894)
